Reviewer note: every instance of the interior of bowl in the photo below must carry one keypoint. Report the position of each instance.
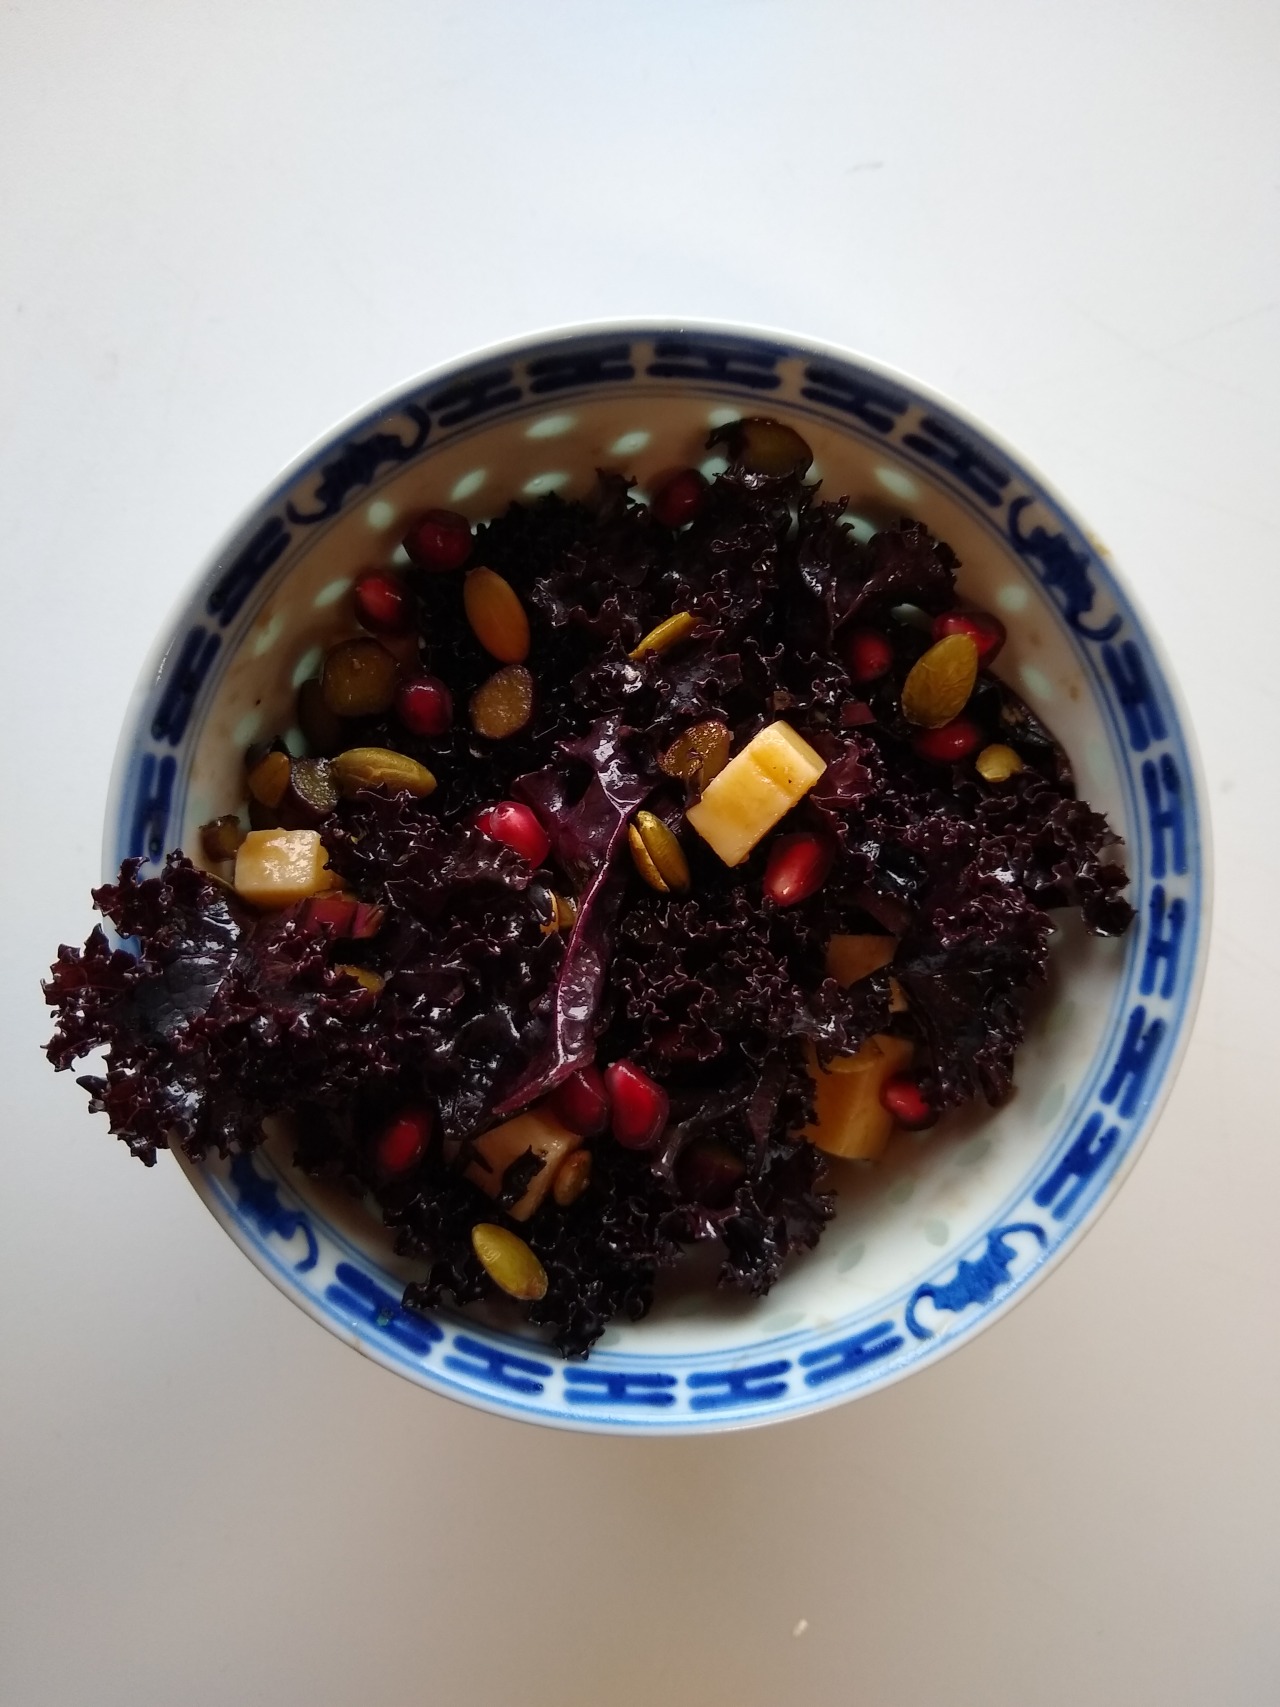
(932, 1242)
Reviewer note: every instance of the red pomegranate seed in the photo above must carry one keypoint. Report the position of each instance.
(581, 1102)
(516, 825)
(424, 705)
(382, 602)
(335, 910)
(710, 1173)
(439, 540)
(368, 921)
(950, 743)
(867, 654)
(905, 1101)
(986, 631)
(342, 914)
(638, 1106)
(402, 1141)
(680, 499)
(797, 867)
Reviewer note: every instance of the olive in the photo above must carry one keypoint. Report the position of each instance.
(503, 704)
(763, 446)
(266, 817)
(220, 837)
(359, 679)
(325, 732)
(312, 793)
(269, 777)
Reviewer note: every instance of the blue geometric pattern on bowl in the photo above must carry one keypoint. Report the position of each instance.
(1108, 1113)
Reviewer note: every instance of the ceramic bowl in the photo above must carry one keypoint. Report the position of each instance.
(958, 1223)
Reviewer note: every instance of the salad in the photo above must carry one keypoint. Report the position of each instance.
(644, 858)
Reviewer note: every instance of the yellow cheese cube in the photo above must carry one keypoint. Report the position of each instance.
(534, 1130)
(275, 868)
(850, 1121)
(851, 957)
(755, 789)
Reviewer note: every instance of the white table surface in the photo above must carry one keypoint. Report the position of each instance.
(224, 225)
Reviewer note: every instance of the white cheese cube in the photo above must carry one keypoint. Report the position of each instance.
(755, 789)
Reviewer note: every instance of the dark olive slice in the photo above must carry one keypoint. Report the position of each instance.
(325, 732)
(269, 778)
(266, 817)
(312, 792)
(359, 679)
(764, 446)
(220, 837)
(503, 705)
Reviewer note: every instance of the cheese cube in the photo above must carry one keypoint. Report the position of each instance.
(275, 868)
(755, 789)
(534, 1130)
(851, 957)
(850, 1121)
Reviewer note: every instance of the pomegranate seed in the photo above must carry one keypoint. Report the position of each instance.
(906, 1102)
(382, 602)
(516, 825)
(439, 540)
(638, 1106)
(867, 654)
(797, 867)
(402, 1141)
(949, 743)
(368, 921)
(424, 705)
(986, 631)
(342, 914)
(680, 499)
(710, 1173)
(581, 1102)
(335, 910)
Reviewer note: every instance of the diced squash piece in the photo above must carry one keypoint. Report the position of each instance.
(534, 1130)
(275, 868)
(851, 957)
(850, 1120)
(758, 786)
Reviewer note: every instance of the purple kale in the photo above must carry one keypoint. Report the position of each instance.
(216, 1023)
(475, 1004)
(588, 839)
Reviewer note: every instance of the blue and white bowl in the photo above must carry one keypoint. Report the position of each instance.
(958, 1223)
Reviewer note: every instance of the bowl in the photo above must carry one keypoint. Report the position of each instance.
(958, 1223)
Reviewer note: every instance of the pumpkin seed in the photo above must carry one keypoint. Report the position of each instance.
(699, 754)
(997, 763)
(667, 634)
(940, 681)
(372, 981)
(657, 854)
(380, 767)
(562, 914)
(509, 1262)
(496, 615)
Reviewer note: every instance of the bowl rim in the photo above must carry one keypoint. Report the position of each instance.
(634, 328)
